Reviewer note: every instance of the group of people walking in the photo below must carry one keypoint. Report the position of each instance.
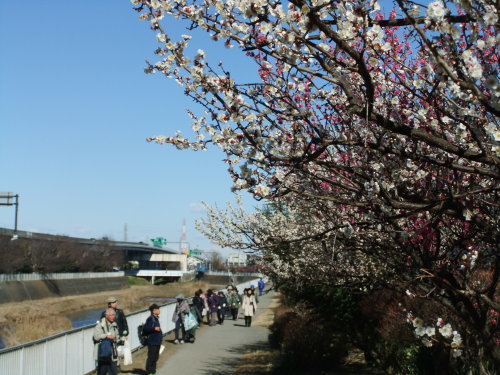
(111, 330)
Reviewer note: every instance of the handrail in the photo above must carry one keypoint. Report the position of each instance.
(5, 277)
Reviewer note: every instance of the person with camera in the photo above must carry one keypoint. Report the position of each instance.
(249, 306)
(121, 320)
(106, 337)
(234, 301)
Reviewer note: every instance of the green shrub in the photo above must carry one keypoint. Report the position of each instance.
(307, 341)
(132, 280)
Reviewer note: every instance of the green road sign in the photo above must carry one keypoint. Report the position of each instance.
(195, 252)
(159, 241)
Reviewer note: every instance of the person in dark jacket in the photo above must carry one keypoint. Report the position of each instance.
(213, 306)
(221, 313)
(234, 302)
(121, 320)
(199, 303)
(155, 337)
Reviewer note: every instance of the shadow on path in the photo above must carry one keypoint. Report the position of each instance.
(136, 371)
(225, 366)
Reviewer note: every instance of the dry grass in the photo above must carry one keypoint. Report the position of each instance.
(266, 317)
(32, 323)
(26, 321)
(257, 362)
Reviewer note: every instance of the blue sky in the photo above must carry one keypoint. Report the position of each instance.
(75, 109)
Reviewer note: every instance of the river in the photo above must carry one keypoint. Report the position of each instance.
(86, 317)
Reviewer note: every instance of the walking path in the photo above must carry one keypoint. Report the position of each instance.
(218, 349)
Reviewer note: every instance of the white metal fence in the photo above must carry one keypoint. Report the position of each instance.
(57, 276)
(93, 275)
(227, 273)
(71, 352)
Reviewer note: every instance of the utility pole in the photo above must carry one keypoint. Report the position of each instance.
(125, 233)
(7, 199)
(184, 244)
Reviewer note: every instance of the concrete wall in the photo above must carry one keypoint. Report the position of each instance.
(16, 291)
(179, 260)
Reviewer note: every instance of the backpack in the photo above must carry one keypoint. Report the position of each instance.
(143, 338)
(105, 350)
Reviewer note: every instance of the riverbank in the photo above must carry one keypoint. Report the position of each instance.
(30, 320)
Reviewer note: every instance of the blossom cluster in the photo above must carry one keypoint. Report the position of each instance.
(429, 335)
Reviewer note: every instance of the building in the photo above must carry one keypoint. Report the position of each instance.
(237, 260)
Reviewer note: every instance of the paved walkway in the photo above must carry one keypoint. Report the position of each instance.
(217, 349)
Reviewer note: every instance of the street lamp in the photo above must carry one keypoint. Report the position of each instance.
(7, 199)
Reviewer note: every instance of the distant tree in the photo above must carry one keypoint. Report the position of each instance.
(59, 255)
(13, 255)
(216, 261)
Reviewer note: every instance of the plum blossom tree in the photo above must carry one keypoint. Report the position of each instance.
(375, 131)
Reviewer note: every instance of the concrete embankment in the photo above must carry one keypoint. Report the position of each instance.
(225, 279)
(17, 291)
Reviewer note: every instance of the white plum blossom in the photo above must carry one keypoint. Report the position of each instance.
(473, 67)
(417, 322)
(446, 331)
(436, 10)
(457, 340)
(490, 18)
(415, 11)
(240, 184)
(430, 331)
(161, 37)
(373, 61)
(420, 331)
(262, 190)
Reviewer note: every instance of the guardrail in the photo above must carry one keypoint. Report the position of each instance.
(71, 352)
(159, 273)
(58, 276)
